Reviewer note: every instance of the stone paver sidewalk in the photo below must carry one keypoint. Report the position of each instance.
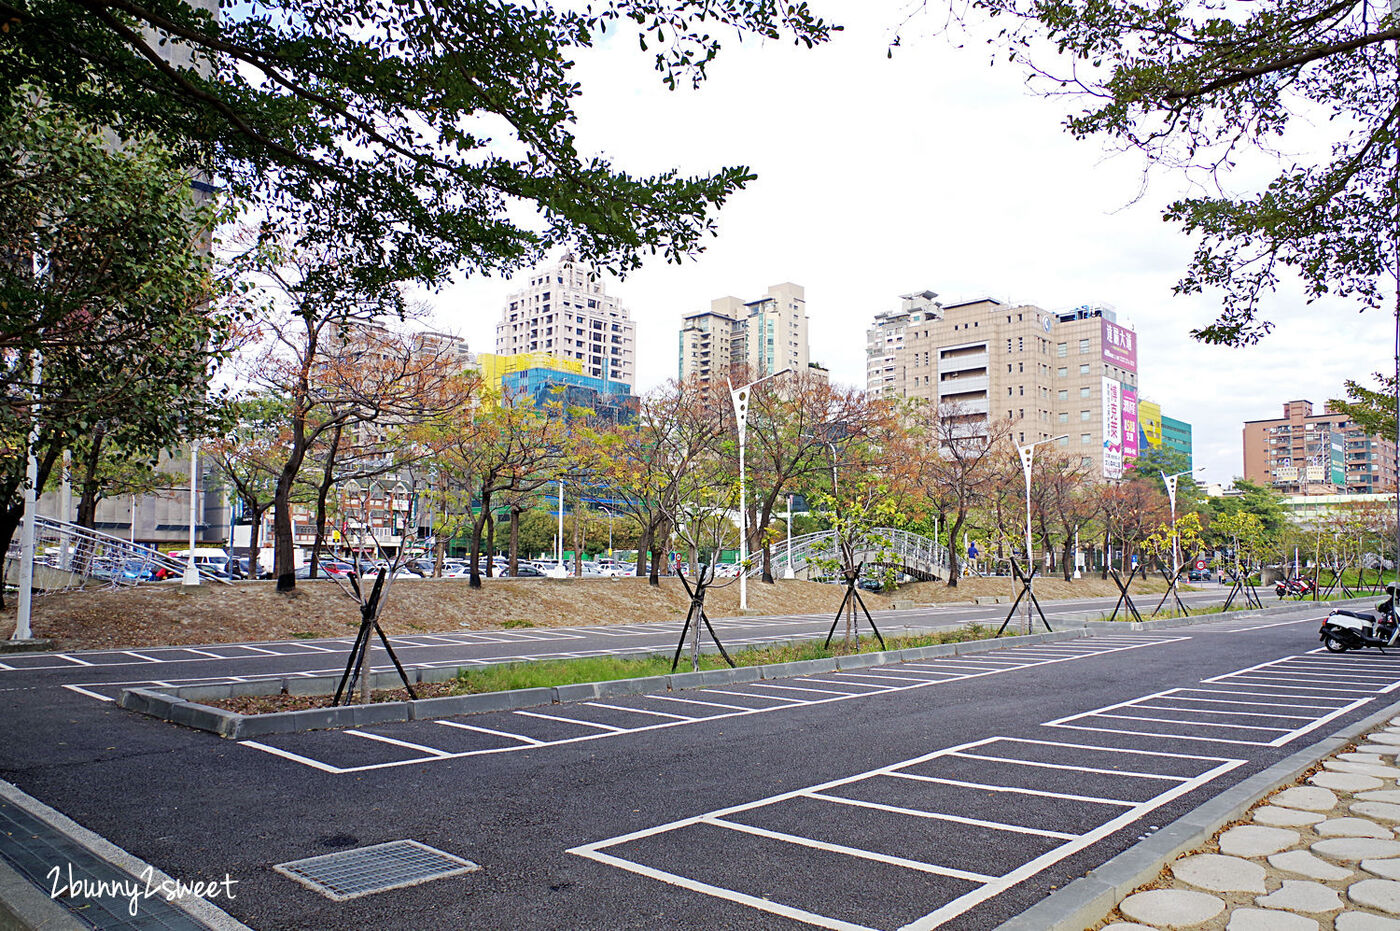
(1323, 854)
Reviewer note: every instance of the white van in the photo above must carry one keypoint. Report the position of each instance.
(209, 558)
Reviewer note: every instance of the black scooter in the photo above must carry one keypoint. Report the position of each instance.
(1351, 630)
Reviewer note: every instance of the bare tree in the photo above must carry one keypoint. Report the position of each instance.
(957, 464)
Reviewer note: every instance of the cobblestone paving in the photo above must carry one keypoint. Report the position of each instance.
(1322, 855)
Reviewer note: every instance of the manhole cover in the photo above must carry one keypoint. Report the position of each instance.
(348, 874)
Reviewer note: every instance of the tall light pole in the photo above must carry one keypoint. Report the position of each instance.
(609, 512)
(1027, 454)
(788, 572)
(740, 398)
(1170, 481)
(559, 550)
(191, 577)
(23, 610)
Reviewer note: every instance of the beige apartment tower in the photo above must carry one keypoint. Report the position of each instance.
(1302, 453)
(1071, 375)
(753, 337)
(565, 312)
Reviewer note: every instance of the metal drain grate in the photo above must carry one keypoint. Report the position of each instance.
(348, 874)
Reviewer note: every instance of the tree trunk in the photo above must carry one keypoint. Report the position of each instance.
(283, 546)
(87, 499)
(578, 546)
(1068, 557)
(954, 556)
(491, 538)
(254, 539)
(643, 548)
(478, 527)
(656, 538)
(514, 539)
(322, 492)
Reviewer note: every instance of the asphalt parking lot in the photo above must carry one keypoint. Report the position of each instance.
(946, 793)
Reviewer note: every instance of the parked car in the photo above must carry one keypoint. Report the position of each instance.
(1198, 575)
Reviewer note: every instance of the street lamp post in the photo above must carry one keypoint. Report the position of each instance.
(740, 398)
(788, 573)
(1170, 482)
(1027, 454)
(191, 577)
(559, 550)
(607, 510)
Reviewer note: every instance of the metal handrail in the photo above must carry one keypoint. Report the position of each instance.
(84, 555)
(886, 545)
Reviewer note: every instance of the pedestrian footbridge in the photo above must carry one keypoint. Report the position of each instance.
(911, 553)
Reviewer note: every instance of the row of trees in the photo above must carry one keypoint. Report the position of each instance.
(344, 399)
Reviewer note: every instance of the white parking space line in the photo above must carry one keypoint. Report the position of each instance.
(809, 695)
(795, 688)
(73, 659)
(90, 694)
(434, 751)
(555, 717)
(657, 714)
(939, 816)
(695, 701)
(794, 903)
(848, 851)
(1269, 682)
(1015, 790)
(1063, 766)
(886, 677)
(486, 730)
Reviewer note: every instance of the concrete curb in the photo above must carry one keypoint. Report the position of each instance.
(1269, 611)
(182, 705)
(200, 910)
(1085, 902)
(32, 645)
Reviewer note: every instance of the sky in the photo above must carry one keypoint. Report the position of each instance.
(934, 170)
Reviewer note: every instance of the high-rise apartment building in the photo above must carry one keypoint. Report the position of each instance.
(565, 312)
(1070, 375)
(1303, 453)
(756, 338)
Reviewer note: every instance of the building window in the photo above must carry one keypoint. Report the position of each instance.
(1086, 438)
(1084, 368)
(1062, 350)
(1083, 346)
(1064, 394)
(1084, 415)
(1084, 392)
(1064, 416)
(1062, 372)
(1062, 441)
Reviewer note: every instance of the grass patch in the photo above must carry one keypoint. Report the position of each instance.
(546, 673)
(517, 622)
(304, 635)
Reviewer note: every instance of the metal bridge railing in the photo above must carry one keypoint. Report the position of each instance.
(67, 556)
(912, 552)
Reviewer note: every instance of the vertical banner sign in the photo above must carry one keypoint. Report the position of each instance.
(1112, 429)
(1130, 426)
(1119, 346)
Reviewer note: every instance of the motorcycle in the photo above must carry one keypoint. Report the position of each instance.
(1351, 630)
(1297, 586)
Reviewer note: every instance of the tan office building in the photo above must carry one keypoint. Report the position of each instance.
(755, 338)
(1071, 375)
(1302, 453)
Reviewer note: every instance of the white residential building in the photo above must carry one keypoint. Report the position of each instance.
(565, 312)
